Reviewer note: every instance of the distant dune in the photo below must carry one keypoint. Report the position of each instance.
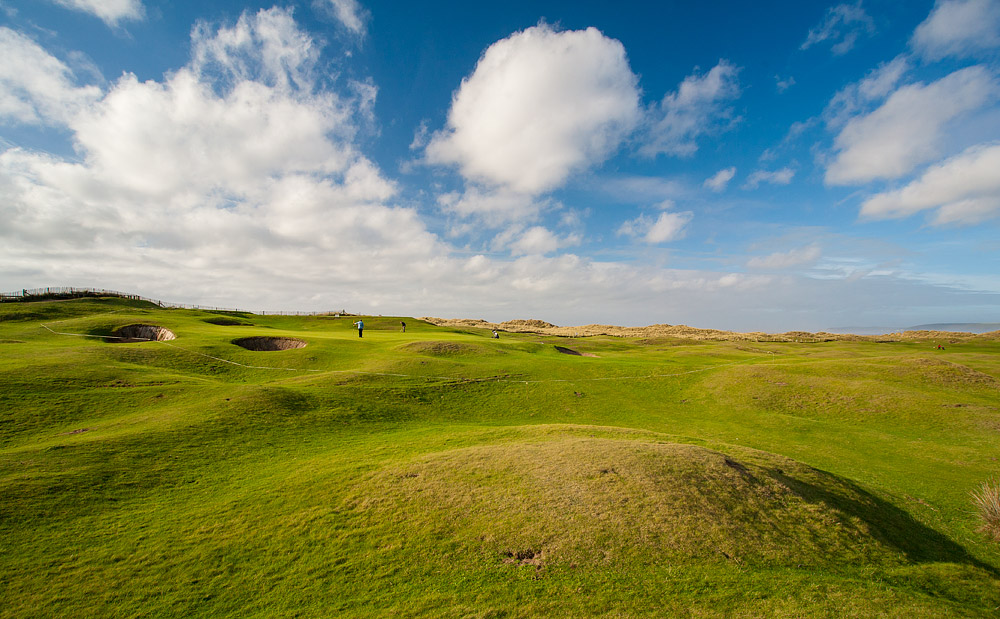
(986, 330)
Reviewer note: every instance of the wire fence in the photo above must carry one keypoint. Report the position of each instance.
(66, 292)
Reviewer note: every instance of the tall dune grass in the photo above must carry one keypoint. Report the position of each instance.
(987, 501)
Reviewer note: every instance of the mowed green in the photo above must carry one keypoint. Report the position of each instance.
(443, 473)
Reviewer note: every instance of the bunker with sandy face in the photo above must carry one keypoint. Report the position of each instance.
(267, 343)
(141, 333)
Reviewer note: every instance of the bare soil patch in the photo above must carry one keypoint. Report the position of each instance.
(268, 343)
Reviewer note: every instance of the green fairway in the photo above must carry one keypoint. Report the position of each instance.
(441, 472)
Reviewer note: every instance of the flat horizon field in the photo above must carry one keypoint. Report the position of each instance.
(443, 473)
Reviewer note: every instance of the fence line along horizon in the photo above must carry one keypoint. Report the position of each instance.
(72, 292)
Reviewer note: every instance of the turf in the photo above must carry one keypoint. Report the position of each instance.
(441, 472)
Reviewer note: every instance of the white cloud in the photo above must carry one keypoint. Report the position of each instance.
(350, 13)
(539, 240)
(718, 181)
(783, 84)
(642, 188)
(776, 177)
(841, 26)
(236, 181)
(267, 47)
(493, 207)
(36, 87)
(421, 135)
(856, 97)
(666, 227)
(958, 28)
(233, 173)
(698, 107)
(784, 260)
(109, 11)
(907, 129)
(540, 105)
(965, 189)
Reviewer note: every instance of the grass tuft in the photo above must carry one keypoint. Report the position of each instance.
(987, 501)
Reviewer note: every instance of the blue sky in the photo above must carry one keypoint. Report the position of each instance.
(749, 166)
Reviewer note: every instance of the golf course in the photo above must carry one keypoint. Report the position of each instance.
(189, 463)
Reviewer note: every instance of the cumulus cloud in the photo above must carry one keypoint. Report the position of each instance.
(718, 181)
(841, 26)
(965, 189)
(907, 129)
(36, 87)
(698, 107)
(236, 180)
(666, 227)
(958, 28)
(266, 47)
(109, 11)
(785, 260)
(773, 177)
(540, 105)
(233, 169)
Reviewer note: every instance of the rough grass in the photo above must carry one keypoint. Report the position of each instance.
(447, 349)
(594, 501)
(442, 473)
(987, 501)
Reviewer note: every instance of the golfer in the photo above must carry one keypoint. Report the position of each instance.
(361, 327)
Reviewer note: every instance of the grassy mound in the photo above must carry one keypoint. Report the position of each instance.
(438, 473)
(447, 349)
(599, 501)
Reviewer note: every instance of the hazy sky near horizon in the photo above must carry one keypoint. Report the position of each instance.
(752, 166)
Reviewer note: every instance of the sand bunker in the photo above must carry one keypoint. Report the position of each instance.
(225, 321)
(141, 333)
(265, 343)
(570, 351)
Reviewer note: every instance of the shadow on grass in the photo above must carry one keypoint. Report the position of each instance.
(884, 521)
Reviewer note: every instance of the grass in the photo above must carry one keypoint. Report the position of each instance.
(987, 502)
(443, 473)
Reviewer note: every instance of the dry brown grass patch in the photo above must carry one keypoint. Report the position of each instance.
(594, 501)
(987, 502)
(446, 349)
